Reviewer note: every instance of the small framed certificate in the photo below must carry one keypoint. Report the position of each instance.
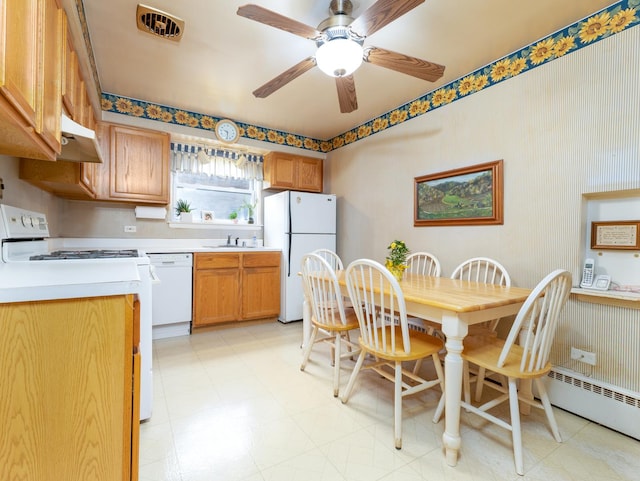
(617, 234)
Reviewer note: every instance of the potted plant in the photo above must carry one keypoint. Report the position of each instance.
(184, 210)
(234, 216)
(250, 208)
(396, 262)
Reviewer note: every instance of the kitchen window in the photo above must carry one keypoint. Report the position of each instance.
(216, 183)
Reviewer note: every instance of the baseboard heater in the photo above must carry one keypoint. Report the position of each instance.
(600, 402)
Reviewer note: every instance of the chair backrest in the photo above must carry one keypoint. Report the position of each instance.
(378, 303)
(322, 291)
(423, 263)
(482, 269)
(331, 257)
(537, 321)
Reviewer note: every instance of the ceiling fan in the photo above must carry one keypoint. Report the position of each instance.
(340, 40)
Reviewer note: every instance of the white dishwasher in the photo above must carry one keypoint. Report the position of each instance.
(171, 294)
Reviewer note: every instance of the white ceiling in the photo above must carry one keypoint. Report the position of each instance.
(223, 57)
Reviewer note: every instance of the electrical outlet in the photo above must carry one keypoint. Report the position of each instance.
(583, 356)
(130, 228)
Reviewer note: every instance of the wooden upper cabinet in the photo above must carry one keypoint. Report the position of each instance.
(19, 74)
(51, 60)
(71, 180)
(138, 165)
(70, 73)
(30, 63)
(292, 172)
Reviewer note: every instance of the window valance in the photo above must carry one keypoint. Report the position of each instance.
(218, 162)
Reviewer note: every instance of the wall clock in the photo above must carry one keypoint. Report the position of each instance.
(227, 131)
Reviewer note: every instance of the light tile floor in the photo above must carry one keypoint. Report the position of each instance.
(232, 404)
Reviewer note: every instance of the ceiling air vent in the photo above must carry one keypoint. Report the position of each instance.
(159, 23)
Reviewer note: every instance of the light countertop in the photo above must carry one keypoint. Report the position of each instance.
(159, 246)
(47, 280)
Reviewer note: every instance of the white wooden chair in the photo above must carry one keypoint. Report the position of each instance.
(426, 264)
(385, 342)
(488, 271)
(423, 263)
(331, 257)
(537, 321)
(330, 321)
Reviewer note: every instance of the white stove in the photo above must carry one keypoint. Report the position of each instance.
(29, 271)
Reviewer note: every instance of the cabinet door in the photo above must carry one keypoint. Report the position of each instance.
(309, 174)
(23, 31)
(139, 165)
(281, 170)
(216, 295)
(51, 80)
(70, 71)
(260, 292)
(66, 391)
(260, 285)
(19, 56)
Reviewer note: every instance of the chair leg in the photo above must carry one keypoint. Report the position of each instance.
(337, 353)
(417, 366)
(352, 378)
(440, 373)
(544, 398)
(515, 426)
(397, 405)
(480, 382)
(308, 347)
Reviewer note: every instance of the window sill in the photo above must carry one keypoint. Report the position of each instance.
(218, 224)
(612, 298)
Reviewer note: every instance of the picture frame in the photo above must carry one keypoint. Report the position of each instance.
(208, 216)
(471, 195)
(616, 235)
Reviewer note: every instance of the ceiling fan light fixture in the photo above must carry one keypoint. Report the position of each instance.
(339, 57)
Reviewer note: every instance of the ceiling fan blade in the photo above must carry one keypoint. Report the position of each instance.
(347, 94)
(380, 14)
(285, 77)
(273, 19)
(404, 63)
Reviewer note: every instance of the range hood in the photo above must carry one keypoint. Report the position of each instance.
(79, 144)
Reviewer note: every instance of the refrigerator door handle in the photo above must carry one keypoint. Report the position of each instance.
(289, 256)
(290, 238)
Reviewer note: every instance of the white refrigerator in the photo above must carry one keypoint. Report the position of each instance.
(297, 223)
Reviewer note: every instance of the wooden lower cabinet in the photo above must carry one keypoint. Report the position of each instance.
(235, 286)
(68, 390)
(260, 285)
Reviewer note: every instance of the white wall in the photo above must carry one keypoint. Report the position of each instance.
(563, 129)
(22, 194)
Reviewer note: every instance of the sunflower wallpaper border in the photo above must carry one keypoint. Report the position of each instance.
(608, 21)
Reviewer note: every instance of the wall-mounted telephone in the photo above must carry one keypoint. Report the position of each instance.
(600, 283)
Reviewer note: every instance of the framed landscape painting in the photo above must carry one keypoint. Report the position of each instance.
(466, 196)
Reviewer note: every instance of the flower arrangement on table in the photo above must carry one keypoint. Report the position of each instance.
(396, 261)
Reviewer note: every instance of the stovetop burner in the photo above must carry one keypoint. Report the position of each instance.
(85, 254)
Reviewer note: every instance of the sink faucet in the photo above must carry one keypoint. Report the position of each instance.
(237, 239)
(229, 239)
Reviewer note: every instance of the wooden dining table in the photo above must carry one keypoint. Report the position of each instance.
(455, 304)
